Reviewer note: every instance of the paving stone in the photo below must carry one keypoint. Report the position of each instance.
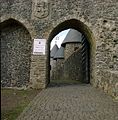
(73, 102)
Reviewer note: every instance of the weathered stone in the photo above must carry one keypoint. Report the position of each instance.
(15, 55)
(70, 48)
(96, 19)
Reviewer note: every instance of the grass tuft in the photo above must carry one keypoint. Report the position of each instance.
(14, 101)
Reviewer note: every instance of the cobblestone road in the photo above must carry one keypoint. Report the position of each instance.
(74, 102)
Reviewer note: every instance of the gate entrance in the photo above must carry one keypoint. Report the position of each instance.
(86, 52)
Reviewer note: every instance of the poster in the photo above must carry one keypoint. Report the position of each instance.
(39, 46)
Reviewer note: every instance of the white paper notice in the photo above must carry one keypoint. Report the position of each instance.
(39, 46)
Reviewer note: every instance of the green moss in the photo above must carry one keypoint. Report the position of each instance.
(14, 101)
(12, 114)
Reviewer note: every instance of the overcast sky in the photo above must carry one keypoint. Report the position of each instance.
(58, 39)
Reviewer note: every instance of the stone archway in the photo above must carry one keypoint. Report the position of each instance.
(81, 27)
(15, 54)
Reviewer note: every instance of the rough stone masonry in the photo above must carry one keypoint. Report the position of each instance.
(97, 19)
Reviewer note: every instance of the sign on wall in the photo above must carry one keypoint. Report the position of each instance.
(39, 46)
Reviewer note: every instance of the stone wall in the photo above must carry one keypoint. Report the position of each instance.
(73, 67)
(15, 55)
(53, 64)
(107, 57)
(69, 69)
(97, 20)
(38, 72)
(109, 82)
(59, 71)
(70, 48)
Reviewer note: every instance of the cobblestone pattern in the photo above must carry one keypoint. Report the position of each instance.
(75, 102)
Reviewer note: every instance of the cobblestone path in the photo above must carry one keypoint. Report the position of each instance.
(74, 102)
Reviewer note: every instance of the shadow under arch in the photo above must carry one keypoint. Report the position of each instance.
(12, 21)
(16, 43)
(84, 29)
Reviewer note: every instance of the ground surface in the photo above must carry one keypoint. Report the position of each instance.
(72, 102)
(14, 101)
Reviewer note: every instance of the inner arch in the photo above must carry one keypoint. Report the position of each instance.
(15, 54)
(81, 27)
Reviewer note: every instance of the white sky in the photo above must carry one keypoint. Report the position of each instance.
(58, 39)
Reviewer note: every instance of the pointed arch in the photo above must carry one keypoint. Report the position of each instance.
(11, 21)
(24, 22)
(84, 29)
(16, 43)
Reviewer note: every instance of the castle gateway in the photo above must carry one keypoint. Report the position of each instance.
(23, 21)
